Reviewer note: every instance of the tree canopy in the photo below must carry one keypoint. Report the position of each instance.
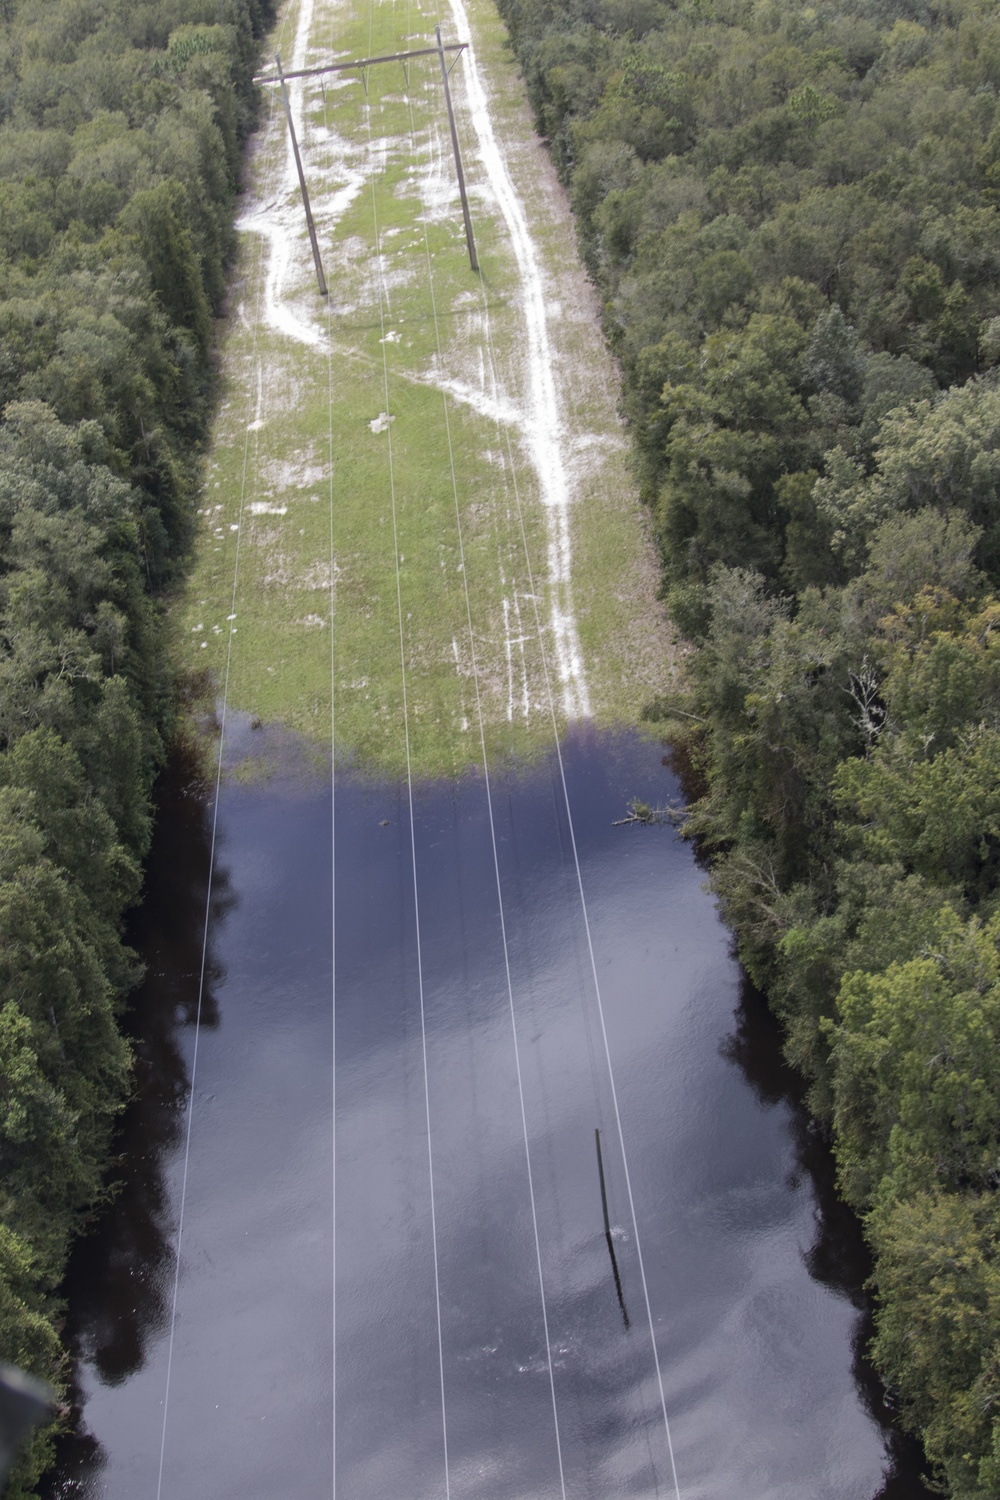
(121, 131)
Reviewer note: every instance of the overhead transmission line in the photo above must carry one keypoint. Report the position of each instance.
(202, 973)
(481, 120)
(493, 844)
(380, 280)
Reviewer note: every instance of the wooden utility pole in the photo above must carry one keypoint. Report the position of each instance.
(469, 240)
(302, 181)
(362, 64)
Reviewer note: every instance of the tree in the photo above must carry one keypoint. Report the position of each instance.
(916, 1069)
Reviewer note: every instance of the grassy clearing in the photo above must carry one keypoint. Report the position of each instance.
(305, 465)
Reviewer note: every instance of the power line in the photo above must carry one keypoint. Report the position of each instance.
(333, 901)
(459, 12)
(409, 788)
(496, 862)
(208, 902)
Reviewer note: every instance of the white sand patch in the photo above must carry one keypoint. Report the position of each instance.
(331, 82)
(590, 453)
(282, 221)
(544, 428)
(353, 249)
(379, 151)
(264, 508)
(434, 181)
(611, 442)
(312, 621)
(284, 474)
(267, 538)
(381, 422)
(495, 407)
(281, 572)
(330, 207)
(318, 575)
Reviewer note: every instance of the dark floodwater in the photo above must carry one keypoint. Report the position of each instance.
(753, 1272)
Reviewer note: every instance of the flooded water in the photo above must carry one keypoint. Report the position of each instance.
(358, 1315)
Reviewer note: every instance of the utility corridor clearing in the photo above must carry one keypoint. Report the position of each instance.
(430, 461)
(404, 974)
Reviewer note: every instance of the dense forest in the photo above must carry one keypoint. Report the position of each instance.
(121, 126)
(793, 217)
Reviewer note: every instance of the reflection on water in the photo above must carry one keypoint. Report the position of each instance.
(753, 1265)
(838, 1257)
(121, 1272)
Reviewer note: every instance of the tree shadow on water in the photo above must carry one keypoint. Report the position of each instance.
(120, 1276)
(838, 1257)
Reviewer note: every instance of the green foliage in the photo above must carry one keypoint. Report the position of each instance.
(939, 1313)
(121, 127)
(916, 1064)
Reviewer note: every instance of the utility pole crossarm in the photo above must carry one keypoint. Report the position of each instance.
(361, 62)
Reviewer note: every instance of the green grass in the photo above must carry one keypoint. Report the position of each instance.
(277, 484)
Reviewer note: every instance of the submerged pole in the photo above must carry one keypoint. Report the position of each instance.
(469, 240)
(607, 1231)
(302, 181)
